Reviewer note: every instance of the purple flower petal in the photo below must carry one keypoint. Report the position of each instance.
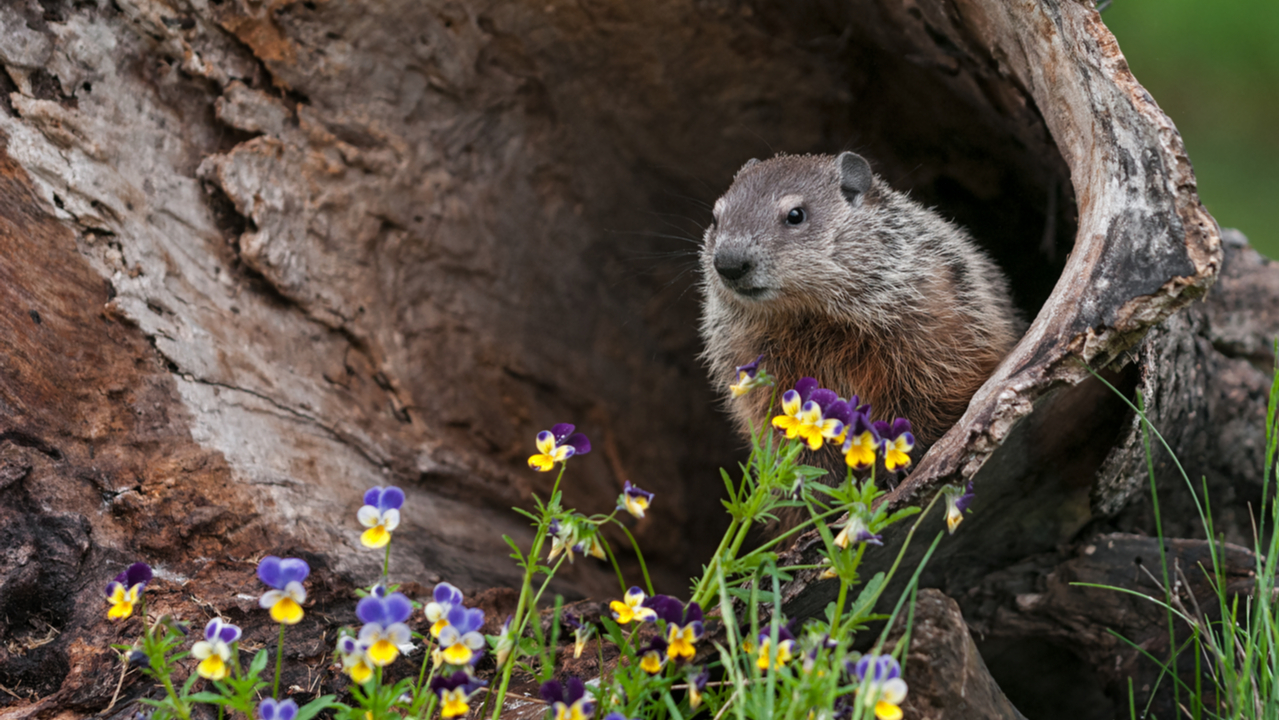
(579, 442)
(446, 594)
(824, 398)
(371, 610)
(839, 410)
(901, 426)
(573, 690)
(805, 386)
(269, 572)
(963, 502)
(138, 573)
(371, 496)
(751, 368)
(228, 633)
(466, 619)
(552, 691)
(881, 429)
(666, 607)
(634, 491)
(293, 569)
(561, 431)
(392, 498)
(397, 607)
(693, 613)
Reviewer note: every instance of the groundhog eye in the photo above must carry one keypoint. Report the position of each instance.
(796, 216)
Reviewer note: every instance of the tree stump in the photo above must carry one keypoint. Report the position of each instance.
(256, 257)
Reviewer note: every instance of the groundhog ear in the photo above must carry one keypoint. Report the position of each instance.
(748, 164)
(855, 175)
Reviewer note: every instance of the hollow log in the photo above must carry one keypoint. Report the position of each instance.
(256, 257)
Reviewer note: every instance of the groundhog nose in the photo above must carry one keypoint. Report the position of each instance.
(732, 266)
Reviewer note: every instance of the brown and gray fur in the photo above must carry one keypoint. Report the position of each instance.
(871, 294)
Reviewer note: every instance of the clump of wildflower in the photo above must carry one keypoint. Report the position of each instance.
(581, 633)
(270, 709)
(861, 443)
(380, 514)
(284, 577)
(813, 414)
(443, 599)
(898, 442)
(958, 502)
(634, 500)
(569, 701)
(632, 607)
(885, 687)
(215, 650)
(455, 692)
(125, 590)
(750, 377)
(558, 445)
(460, 641)
(356, 662)
(384, 630)
(684, 625)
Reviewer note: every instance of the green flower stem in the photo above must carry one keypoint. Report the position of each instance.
(526, 591)
(423, 678)
(179, 705)
(275, 688)
(386, 564)
(644, 569)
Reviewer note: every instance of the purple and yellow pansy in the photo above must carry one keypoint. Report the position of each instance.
(632, 607)
(285, 598)
(813, 414)
(380, 514)
(271, 709)
(384, 631)
(356, 662)
(214, 650)
(958, 502)
(861, 443)
(786, 644)
(125, 590)
(460, 641)
(443, 599)
(885, 689)
(749, 378)
(558, 445)
(855, 530)
(898, 443)
(568, 701)
(634, 500)
(684, 625)
(455, 692)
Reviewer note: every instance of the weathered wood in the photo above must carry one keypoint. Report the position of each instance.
(946, 676)
(258, 256)
(1017, 610)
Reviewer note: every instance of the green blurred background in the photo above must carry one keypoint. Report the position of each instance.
(1212, 67)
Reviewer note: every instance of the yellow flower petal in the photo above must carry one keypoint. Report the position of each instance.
(375, 537)
(383, 652)
(542, 462)
(455, 704)
(886, 711)
(458, 654)
(212, 667)
(286, 611)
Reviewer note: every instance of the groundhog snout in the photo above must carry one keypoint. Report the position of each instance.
(733, 265)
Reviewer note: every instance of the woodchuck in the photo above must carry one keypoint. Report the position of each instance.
(817, 263)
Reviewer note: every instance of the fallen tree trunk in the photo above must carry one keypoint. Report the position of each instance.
(257, 257)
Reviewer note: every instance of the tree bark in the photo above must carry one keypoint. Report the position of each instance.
(256, 257)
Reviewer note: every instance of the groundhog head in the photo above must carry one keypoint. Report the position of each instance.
(789, 233)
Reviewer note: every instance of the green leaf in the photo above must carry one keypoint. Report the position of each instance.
(867, 598)
(259, 662)
(211, 698)
(186, 686)
(315, 707)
